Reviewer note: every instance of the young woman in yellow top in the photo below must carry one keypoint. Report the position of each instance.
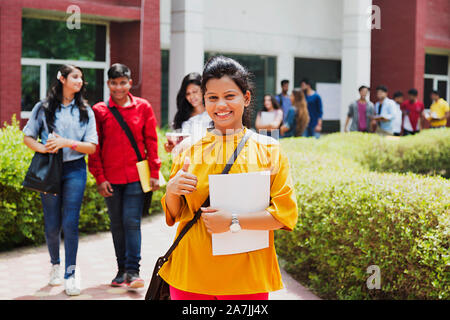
(192, 271)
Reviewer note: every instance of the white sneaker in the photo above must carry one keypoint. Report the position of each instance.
(72, 286)
(55, 276)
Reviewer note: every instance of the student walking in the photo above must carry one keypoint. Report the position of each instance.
(385, 113)
(413, 111)
(114, 167)
(268, 121)
(191, 116)
(64, 121)
(397, 120)
(439, 111)
(298, 117)
(284, 99)
(360, 112)
(192, 271)
(315, 110)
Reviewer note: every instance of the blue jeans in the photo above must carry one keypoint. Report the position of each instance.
(310, 132)
(63, 212)
(125, 212)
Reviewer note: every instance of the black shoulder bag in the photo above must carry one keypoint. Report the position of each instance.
(45, 171)
(127, 130)
(159, 289)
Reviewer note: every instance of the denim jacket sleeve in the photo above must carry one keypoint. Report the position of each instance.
(34, 124)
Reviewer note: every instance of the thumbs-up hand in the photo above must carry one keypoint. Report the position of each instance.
(183, 182)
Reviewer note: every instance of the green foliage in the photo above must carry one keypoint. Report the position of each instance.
(351, 218)
(52, 39)
(425, 153)
(21, 210)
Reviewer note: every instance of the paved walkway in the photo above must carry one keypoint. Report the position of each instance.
(26, 270)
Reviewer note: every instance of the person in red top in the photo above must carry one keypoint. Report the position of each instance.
(114, 167)
(412, 110)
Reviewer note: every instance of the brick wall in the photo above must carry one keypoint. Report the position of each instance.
(398, 53)
(124, 39)
(10, 54)
(438, 24)
(151, 63)
(125, 48)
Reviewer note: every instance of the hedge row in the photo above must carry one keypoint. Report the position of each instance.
(21, 213)
(351, 218)
(425, 153)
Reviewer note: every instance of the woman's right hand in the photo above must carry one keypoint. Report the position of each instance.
(41, 148)
(183, 182)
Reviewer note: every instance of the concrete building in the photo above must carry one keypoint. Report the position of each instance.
(338, 44)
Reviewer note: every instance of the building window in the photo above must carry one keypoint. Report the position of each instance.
(436, 64)
(31, 79)
(317, 70)
(264, 70)
(48, 44)
(437, 77)
(321, 71)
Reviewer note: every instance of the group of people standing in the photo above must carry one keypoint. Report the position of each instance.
(282, 116)
(294, 115)
(397, 116)
(214, 108)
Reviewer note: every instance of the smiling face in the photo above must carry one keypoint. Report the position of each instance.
(225, 103)
(73, 82)
(119, 87)
(194, 95)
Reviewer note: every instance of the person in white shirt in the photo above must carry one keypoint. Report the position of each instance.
(397, 121)
(385, 112)
(270, 118)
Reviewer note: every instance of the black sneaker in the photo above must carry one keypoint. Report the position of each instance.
(133, 280)
(119, 280)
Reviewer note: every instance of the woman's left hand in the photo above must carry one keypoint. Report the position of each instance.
(216, 220)
(56, 143)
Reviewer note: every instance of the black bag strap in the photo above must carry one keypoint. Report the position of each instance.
(44, 120)
(197, 215)
(126, 129)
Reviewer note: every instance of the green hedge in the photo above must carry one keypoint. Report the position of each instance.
(351, 218)
(425, 153)
(21, 213)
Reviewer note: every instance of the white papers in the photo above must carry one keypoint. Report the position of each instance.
(267, 118)
(240, 193)
(431, 115)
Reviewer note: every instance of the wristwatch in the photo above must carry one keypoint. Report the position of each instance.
(235, 226)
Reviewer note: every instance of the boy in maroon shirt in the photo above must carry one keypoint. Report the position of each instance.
(114, 167)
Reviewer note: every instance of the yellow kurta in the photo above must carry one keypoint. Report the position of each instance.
(192, 267)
